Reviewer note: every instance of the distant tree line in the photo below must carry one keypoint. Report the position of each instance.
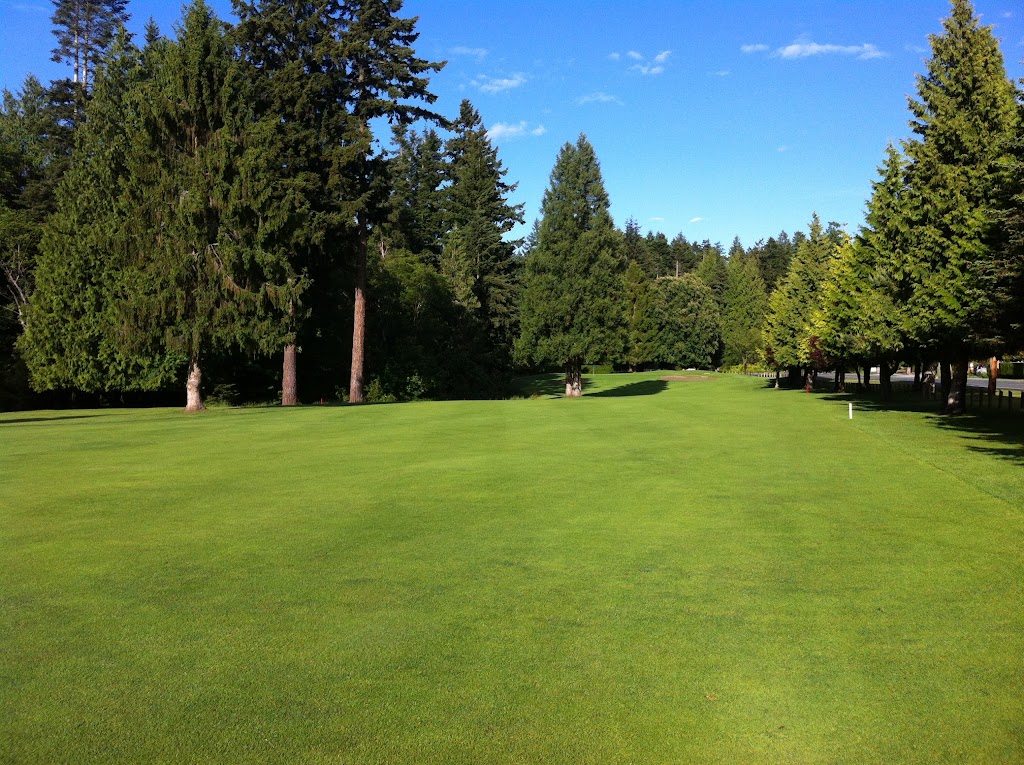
(214, 211)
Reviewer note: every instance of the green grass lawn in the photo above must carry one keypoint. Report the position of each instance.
(685, 572)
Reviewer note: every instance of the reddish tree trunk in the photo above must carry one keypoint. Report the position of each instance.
(993, 375)
(355, 386)
(193, 393)
(289, 378)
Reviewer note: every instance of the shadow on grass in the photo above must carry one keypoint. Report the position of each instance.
(996, 432)
(641, 388)
(20, 420)
(551, 384)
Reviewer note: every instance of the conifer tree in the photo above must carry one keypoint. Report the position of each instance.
(792, 308)
(573, 295)
(196, 269)
(641, 317)
(418, 206)
(964, 118)
(744, 307)
(711, 270)
(75, 336)
(85, 30)
(386, 79)
(479, 216)
(659, 254)
(683, 257)
(690, 331)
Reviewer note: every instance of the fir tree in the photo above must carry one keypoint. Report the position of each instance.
(744, 307)
(641, 318)
(386, 79)
(792, 308)
(572, 296)
(480, 218)
(85, 30)
(964, 118)
(690, 331)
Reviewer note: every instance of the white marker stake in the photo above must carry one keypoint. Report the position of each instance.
(851, 411)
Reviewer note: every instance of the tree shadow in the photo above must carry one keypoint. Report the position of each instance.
(20, 420)
(550, 384)
(641, 388)
(988, 433)
(997, 432)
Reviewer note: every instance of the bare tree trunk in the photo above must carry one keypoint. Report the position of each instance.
(573, 380)
(355, 386)
(956, 398)
(867, 377)
(289, 378)
(193, 393)
(993, 375)
(945, 379)
(917, 376)
(778, 373)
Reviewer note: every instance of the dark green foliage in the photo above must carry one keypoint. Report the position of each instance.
(660, 257)
(684, 257)
(418, 202)
(690, 330)
(745, 304)
(478, 259)
(572, 297)
(773, 258)
(711, 270)
(634, 248)
(75, 336)
(863, 299)
(641, 318)
(964, 118)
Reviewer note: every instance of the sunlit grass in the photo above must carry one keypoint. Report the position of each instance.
(704, 571)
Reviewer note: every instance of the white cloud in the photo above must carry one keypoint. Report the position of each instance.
(782, 149)
(500, 130)
(720, 73)
(805, 49)
(915, 48)
(598, 98)
(656, 219)
(614, 56)
(489, 85)
(644, 69)
(635, 56)
(662, 57)
(462, 50)
(755, 48)
(696, 220)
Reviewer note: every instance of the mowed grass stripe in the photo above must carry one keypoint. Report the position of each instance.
(706, 571)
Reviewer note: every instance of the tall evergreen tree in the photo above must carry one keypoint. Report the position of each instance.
(711, 270)
(85, 30)
(418, 173)
(689, 332)
(641, 317)
(964, 118)
(659, 254)
(74, 335)
(296, 151)
(480, 217)
(793, 306)
(387, 79)
(744, 307)
(683, 256)
(573, 296)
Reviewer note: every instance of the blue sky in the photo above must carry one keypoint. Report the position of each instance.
(710, 119)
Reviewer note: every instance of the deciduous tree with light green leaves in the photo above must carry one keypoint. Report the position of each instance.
(572, 304)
